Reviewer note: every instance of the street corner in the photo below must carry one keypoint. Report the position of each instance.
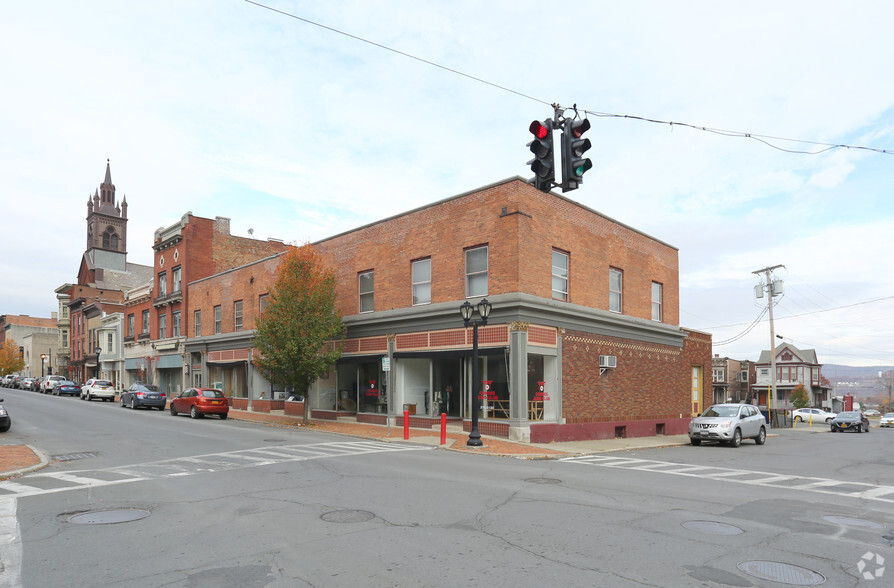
(16, 460)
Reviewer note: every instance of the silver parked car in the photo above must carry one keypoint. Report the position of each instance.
(729, 423)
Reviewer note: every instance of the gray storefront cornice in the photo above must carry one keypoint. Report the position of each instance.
(222, 342)
(508, 308)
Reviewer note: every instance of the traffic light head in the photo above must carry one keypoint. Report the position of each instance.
(543, 164)
(574, 164)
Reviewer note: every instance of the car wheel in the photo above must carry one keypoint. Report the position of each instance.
(737, 439)
(5, 427)
(695, 442)
(761, 437)
(828, 421)
(173, 410)
(798, 419)
(223, 416)
(193, 413)
(87, 397)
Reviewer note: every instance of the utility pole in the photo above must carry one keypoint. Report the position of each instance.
(771, 292)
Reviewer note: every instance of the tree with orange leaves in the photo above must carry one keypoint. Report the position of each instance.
(300, 335)
(11, 359)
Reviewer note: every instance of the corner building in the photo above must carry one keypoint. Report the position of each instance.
(582, 341)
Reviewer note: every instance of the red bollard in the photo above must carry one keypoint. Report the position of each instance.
(406, 425)
(443, 428)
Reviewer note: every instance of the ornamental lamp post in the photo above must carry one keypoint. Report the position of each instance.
(98, 350)
(466, 310)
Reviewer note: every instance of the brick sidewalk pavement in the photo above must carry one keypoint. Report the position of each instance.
(17, 458)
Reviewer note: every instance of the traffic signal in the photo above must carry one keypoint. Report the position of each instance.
(574, 164)
(543, 164)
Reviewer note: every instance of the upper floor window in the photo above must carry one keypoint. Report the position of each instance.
(422, 281)
(162, 284)
(162, 325)
(130, 325)
(263, 301)
(718, 375)
(175, 279)
(366, 283)
(145, 322)
(615, 289)
(110, 343)
(197, 323)
(560, 275)
(476, 272)
(657, 292)
(65, 339)
(217, 326)
(175, 324)
(237, 315)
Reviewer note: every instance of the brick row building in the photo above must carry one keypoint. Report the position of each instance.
(572, 292)
(583, 340)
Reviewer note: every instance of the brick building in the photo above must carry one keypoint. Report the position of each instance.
(188, 250)
(731, 379)
(583, 339)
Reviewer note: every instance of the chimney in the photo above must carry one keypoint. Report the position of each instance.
(222, 225)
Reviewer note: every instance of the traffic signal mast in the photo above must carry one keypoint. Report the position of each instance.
(543, 164)
(574, 145)
(574, 164)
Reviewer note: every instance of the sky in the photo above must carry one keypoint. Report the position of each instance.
(299, 120)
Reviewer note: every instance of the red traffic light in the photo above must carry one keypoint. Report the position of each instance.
(579, 127)
(538, 129)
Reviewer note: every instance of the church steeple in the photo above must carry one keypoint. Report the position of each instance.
(107, 226)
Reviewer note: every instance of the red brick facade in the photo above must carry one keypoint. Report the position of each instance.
(658, 364)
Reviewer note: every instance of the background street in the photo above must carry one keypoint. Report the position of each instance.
(230, 503)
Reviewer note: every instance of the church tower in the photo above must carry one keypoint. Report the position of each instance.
(107, 227)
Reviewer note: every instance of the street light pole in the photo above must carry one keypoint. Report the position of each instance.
(483, 311)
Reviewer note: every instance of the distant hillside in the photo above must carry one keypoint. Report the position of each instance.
(848, 373)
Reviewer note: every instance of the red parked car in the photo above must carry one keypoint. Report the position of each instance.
(200, 401)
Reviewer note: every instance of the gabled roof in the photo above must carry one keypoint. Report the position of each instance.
(807, 356)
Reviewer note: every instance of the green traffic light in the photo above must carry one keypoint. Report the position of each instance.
(584, 166)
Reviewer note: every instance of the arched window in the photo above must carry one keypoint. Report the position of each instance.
(110, 239)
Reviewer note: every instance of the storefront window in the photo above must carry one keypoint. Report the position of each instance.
(360, 388)
(536, 392)
(446, 379)
(493, 369)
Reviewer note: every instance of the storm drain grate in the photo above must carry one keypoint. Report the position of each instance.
(75, 456)
(782, 573)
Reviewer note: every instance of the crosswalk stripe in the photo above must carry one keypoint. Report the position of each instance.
(750, 477)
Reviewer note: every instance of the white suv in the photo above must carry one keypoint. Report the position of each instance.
(96, 388)
(47, 383)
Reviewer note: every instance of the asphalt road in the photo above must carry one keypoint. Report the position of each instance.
(227, 503)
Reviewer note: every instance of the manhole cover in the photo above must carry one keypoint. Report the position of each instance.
(347, 516)
(712, 527)
(851, 522)
(543, 481)
(782, 573)
(108, 517)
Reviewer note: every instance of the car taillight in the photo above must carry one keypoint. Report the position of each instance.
(141, 393)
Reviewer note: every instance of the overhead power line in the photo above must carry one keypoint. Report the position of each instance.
(765, 139)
